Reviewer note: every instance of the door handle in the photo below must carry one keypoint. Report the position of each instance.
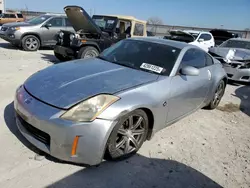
(209, 74)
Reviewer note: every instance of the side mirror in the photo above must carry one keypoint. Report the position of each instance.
(200, 40)
(190, 71)
(48, 25)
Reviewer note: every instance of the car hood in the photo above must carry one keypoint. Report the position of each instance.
(181, 36)
(17, 24)
(237, 54)
(66, 84)
(80, 20)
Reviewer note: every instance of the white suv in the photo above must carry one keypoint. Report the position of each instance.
(202, 39)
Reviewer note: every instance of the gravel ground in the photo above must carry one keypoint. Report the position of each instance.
(206, 149)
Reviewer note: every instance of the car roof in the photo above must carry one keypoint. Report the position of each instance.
(240, 39)
(122, 17)
(172, 43)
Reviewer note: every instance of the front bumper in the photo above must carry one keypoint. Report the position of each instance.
(41, 125)
(235, 74)
(10, 37)
(65, 51)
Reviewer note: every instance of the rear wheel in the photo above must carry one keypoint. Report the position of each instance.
(87, 52)
(30, 43)
(127, 136)
(219, 92)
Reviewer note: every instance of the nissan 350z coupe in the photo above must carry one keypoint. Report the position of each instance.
(85, 110)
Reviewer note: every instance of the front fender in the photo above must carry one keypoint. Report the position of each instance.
(150, 96)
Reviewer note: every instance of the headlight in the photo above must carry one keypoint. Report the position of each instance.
(15, 28)
(61, 34)
(88, 110)
(72, 36)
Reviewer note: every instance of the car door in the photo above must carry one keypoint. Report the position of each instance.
(50, 29)
(188, 93)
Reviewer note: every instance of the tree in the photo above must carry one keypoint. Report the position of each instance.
(155, 21)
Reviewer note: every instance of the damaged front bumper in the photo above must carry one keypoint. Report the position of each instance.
(237, 73)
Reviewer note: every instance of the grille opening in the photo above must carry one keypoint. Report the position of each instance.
(36, 133)
(229, 75)
(245, 77)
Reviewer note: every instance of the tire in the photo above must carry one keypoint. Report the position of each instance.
(61, 57)
(218, 94)
(121, 143)
(30, 43)
(87, 52)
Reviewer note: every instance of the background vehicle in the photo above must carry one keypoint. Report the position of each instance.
(109, 105)
(234, 54)
(95, 34)
(36, 32)
(221, 35)
(9, 17)
(202, 39)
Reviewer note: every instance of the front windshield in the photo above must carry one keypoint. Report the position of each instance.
(236, 44)
(38, 20)
(146, 56)
(105, 23)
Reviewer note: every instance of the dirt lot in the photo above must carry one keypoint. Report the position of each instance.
(206, 149)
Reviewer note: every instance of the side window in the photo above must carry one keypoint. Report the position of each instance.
(19, 15)
(56, 22)
(194, 58)
(12, 16)
(139, 29)
(6, 15)
(68, 24)
(206, 37)
(209, 60)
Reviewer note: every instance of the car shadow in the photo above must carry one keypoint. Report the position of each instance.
(243, 93)
(9, 46)
(138, 171)
(50, 57)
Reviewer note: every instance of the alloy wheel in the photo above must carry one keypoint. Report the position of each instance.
(218, 94)
(31, 43)
(130, 135)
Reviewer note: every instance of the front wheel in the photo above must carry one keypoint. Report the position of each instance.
(30, 43)
(128, 135)
(219, 92)
(87, 52)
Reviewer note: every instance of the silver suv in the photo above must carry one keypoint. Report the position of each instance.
(36, 32)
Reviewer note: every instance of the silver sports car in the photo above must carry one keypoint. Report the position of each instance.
(84, 110)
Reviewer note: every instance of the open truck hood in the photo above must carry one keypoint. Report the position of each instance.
(181, 36)
(80, 20)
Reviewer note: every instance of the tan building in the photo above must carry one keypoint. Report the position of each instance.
(1, 6)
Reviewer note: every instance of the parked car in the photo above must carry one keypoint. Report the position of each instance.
(202, 39)
(36, 32)
(234, 54)
(83, 110)
(95, 34)
(9, 17)
(221, 35)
